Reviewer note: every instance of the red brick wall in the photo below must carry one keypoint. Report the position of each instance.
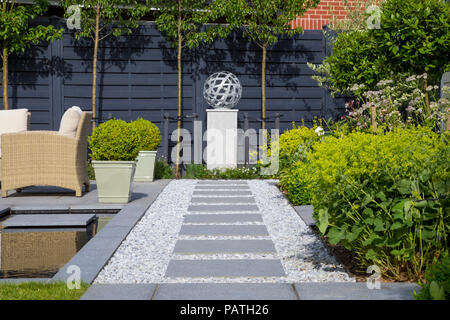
(314, 19)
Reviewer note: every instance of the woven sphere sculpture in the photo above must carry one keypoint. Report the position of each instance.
(222, 90)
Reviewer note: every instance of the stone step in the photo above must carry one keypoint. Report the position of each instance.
(222, 218)
(225, 268)
(223, 200)
(224, 230)
(222, 193)
(216, 182)
(223, 246)
(225, 291)
(222, 208)
(222, 187)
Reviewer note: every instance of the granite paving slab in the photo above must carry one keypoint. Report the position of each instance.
(306, 213)
(222, 218)
(221, 182)
(222, 187)
(223, 246)
(49, 220)
(225, 291)
(222, 208)
(225, 268)
(222, 193)
(355, 291)
(223, 200)
(134, 291)
(224, 230)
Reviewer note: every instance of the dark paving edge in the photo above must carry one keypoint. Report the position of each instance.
(356, 291)
(96, 253)
(251, 291)
(306, 213)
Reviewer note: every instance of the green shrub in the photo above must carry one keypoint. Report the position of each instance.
(384, 197)
(296, 181)
(292, 140)
(91, 171)
(150, 137)
(163, 170)
(437, 285)
(115, 140)
(413, 38)
(199, 171)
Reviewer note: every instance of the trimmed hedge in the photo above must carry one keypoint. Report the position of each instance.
(115, 140)
(150, 137)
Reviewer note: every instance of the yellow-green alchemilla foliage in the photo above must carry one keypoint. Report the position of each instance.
(150, 137)
(115, 140)
(292, 140)
(296, 180)
(384, 197)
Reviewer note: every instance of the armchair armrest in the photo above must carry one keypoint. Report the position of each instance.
(37, 147)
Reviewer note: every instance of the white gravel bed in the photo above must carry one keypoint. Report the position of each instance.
(302, 253)
(186, 237)
(226, 256)
(144, 255)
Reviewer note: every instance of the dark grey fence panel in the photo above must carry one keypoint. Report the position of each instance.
(137, 77)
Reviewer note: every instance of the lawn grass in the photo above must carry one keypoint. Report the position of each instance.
(40, 291)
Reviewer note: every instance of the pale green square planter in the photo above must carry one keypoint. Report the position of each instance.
(114, 180)
(145, 167)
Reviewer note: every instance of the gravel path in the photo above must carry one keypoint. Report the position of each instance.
(147, 254)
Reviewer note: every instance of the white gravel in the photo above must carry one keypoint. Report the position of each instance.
(145, 254)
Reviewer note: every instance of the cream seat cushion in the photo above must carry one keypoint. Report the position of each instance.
(12, 121)
(69, 122)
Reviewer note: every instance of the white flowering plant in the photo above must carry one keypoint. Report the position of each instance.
(398, 103)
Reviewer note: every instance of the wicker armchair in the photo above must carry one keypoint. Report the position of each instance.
(46, 158)
(28, 126)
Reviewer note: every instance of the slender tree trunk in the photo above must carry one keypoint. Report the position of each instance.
(5, 77)
(180, 51)
(94, 68)
(263, 87)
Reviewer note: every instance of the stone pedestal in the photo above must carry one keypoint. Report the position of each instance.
(221, 149)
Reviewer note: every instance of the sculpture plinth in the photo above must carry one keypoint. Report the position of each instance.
(222, 91)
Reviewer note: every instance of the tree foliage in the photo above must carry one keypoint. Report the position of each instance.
(263, 22)
(117, 17)
(183, 23)
(16, 34)
(101, 19)
(185, 20)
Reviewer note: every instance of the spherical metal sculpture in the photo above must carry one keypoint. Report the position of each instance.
(222, 90)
